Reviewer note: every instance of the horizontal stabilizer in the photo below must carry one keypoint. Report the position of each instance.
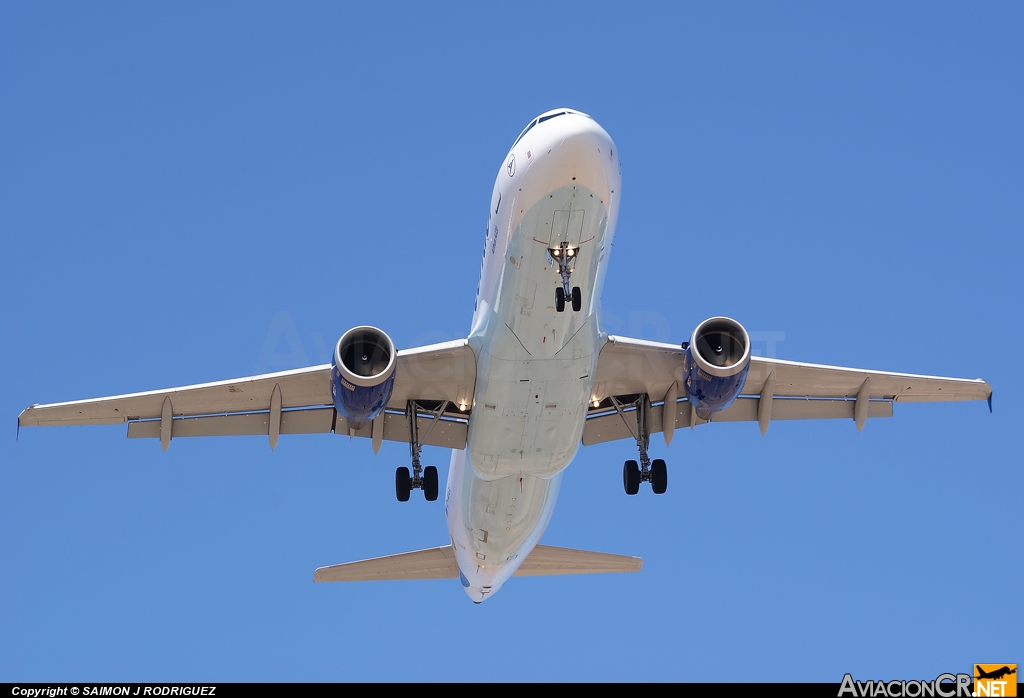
(439, 563)
(432, 563)
(544, 560)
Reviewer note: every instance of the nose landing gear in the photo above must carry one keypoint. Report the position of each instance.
(565, 257)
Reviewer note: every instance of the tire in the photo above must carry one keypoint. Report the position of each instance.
(403, 484)
(559, 299)
(430, 483)
(659, 476)
(631, 477)
(577, 301)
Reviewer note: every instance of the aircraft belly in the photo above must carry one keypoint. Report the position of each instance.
(525, 297)
(535, 365)
(529, 416)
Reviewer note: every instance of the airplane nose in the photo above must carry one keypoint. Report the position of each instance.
(582, 148)
(575, 151)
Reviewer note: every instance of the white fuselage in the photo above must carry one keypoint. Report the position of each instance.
(558, 188)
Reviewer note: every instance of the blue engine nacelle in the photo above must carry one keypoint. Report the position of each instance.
(362, 374)
(717, 360)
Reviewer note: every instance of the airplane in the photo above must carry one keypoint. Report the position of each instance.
(537, 377)
(995, 674)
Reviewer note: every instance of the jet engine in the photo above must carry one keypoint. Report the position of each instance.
(717, 360)
(362, 374)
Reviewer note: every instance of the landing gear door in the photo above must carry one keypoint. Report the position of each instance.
(575, 227)
(559, 229)
(567, 227)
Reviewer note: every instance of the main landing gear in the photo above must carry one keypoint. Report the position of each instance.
(421, 478)
(633, 473)
(565, 257)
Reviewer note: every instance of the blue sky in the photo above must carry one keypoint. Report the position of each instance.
(179, 183)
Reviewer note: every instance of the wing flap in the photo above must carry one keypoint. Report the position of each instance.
(321, 420)
(609, 426)
(744, 409)
(314, 421)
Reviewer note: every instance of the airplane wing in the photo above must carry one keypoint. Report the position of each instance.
(439, 377)
(773, 390)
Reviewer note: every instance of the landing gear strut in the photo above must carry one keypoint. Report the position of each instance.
(654, 472)
(565, 257)
(421, 478)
